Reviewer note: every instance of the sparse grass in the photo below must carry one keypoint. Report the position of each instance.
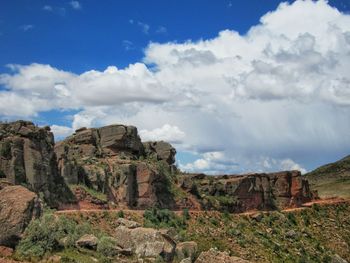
(98, 195)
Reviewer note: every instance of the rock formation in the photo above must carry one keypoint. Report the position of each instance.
(18, 206)
(113, 160)
(27, 158)
(237, 193)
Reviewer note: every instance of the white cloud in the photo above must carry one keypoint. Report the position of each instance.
(75, 5)
(61, 132)
(289, 164)
(281, 91)
(167, 133)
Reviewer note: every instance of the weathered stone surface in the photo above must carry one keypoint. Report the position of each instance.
(27, 158)
(160, 150)
(215, 256)
(145, 242)
(186, 250)
(18, 206)
(251, 192)
(127, 223)
(87, 241)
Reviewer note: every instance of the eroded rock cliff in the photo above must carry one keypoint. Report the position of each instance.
(113, 160)
(27, 158)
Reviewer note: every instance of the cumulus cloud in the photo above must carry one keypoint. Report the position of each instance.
(279, 92)
(166, 133)
(61, 132)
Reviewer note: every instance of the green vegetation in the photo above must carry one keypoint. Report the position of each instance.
(310, 235)
(332, 179)
(57, 234)
(106, 246)
(96, 194)
(164, 218)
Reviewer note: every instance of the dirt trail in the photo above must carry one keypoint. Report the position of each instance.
(85, 209)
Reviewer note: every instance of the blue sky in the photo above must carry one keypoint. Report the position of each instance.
(205, 75)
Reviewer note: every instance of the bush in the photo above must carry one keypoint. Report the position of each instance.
(120, 214)
(46, 235)
(106, 246)
(163, 218)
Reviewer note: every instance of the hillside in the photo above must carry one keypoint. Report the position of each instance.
(332, 179)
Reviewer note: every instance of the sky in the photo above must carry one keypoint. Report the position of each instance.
(235, 86)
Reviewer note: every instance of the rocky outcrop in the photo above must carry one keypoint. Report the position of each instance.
(145, 242)
(215, 256)
(112, 160)
(237, 193)
(18, 206)
(27, 158)
(160, 151)
(132, 174)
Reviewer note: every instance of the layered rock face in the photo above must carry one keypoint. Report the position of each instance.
(237, 193)
(18, 206)
(27, 158)
(113, 160)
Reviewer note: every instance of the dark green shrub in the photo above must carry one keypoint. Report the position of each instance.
(120, 214)
(162, 218)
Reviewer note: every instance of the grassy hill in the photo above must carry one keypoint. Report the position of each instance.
(332, 179)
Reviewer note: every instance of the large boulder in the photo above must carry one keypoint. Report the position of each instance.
(87, 241)
(145, 242)
(215, 256)
(27, 158)
(18, 206)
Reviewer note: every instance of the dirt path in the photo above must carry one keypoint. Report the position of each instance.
(83, 210)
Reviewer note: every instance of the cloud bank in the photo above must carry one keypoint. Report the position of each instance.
(275, 98)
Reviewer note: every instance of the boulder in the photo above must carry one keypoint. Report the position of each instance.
(186, 260)
(186, 250)
(145, 242)
(127, 223)
(87, 241)
(18, 206)
(215, 256)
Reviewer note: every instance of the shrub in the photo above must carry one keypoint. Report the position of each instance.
(45, 235)
(121, 214)
(163, 218)
(106, 246)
